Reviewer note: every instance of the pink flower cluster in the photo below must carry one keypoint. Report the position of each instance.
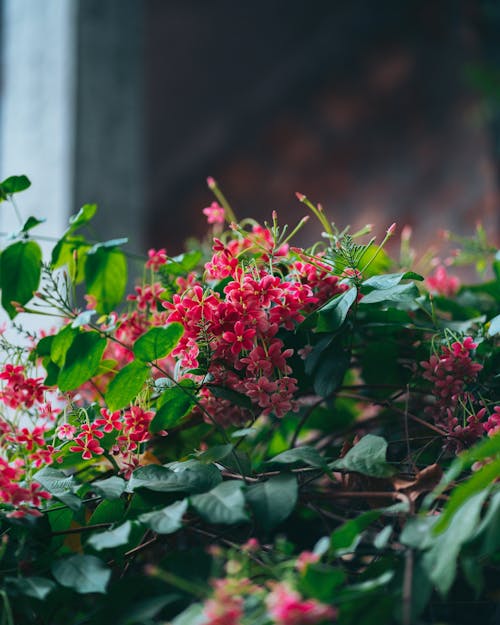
(233, 334)
(443, 283)
(451, 372)
(20, 444)
(284, 605)
(287, 607)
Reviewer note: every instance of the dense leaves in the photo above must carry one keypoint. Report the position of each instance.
(256, 435)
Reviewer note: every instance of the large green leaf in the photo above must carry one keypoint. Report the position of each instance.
(110, 488)
(274, 500)
(367, 457)
(35, 587)
(440, 561)
(106, 277)
(174, 404)
(301, 455)
(61, 343)
(401, 295)
(333, 314)
(60, 486)
(20, 270)
(224, 504)
(111, 538)
(388, 280)
(126, 385)
(167, 520)
(82, 360)
(158, 342)
(84, 574)
(189, 477)
(14, 184)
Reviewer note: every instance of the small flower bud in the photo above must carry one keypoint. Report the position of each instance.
(391, 229)
(211, 182)
(300, 196)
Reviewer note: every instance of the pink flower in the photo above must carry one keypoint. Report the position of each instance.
(241, 337)
(442, 283)
(305, 558)
(156, 258)
(66, 432)
(287, 607)
(214, 213)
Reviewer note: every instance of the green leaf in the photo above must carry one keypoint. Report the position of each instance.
(216, 453)
(389, 280)
(82, 218)
(192, 615)
(110, 488)
(327, 363)
(108, 511)
(82, 360)
(274, 500)
(224, 504)
(321, 582)
(478, 481)
(494, 326)
(332, 315)
(440, 561)
(84, 574)
(175, 403)
(126, 385)
(106, 277)
(166, 521)
(20, 270)
(399, 294)
(30, 223)
(301, 455)
(180, 265)
(158, 342)
(61, 343)
(345, 539)
(59, 485)
(367, 457)
(15, 184)
(189, 477)
(108, 244)
(111, 538)
(34, 587)
(233, 396)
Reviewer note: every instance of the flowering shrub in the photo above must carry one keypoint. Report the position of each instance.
(257, 434)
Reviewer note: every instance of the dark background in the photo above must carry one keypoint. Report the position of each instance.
(383, 111)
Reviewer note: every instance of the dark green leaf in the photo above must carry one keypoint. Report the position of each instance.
(166, 521)
(180, 265)
(301, 455)
(34, 587)
(389, 280)
(233, 396)
(321, 582)
(15, 184)
(401, 294)
(189, 477)
(30, 223)
(84, 574)
(20, 270)
(333, 314)
(82, 360)
(215, 453)
(126, 385)
(158, 342)
(440, 561)
(111, 538)
(368, 457)
(224, 504)
(110, 488)
(274, 500)
(59, 485)
(175, 403)
(106, 277)
(346, 538)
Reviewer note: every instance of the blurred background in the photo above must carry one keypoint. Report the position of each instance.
(382, 111)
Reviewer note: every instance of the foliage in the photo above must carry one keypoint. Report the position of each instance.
(258, 434)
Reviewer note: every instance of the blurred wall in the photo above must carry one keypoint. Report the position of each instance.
(363, 106)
